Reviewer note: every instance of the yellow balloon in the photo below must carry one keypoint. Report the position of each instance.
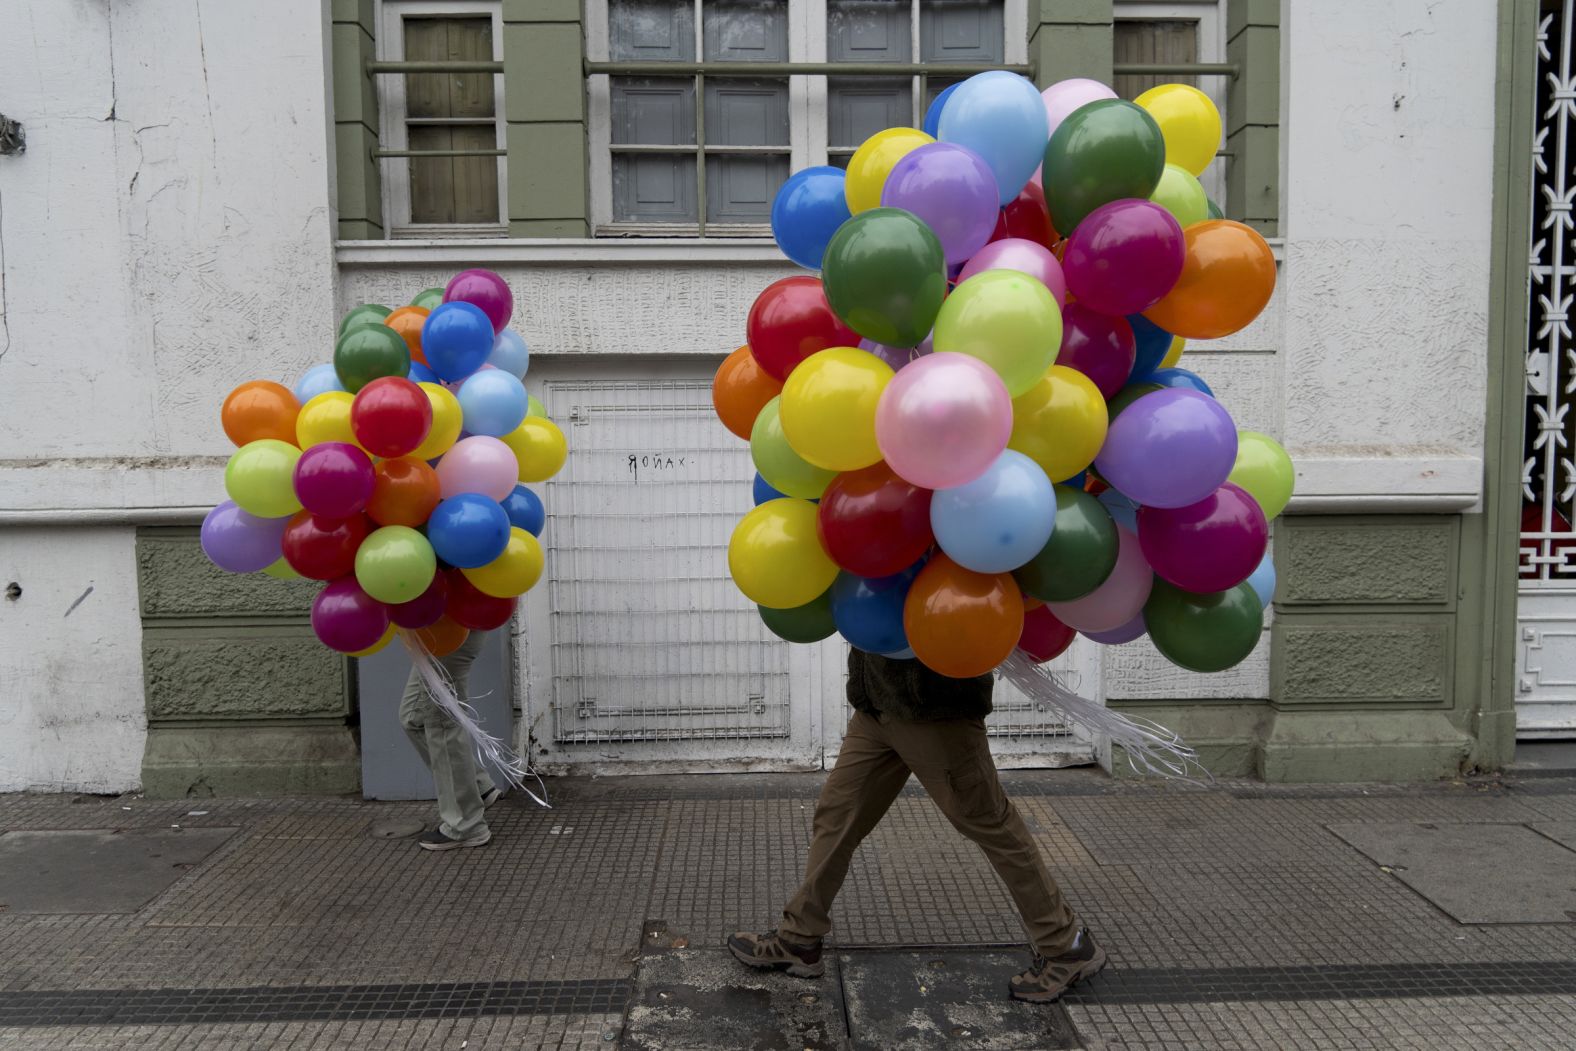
(776, 558)
(388, 637)
(873, 161)
(446, 419)
(326, 418)
(512, 573)
(828, 408)
(1189, 122)
(1059, 423)
(1173, 353)
(539, 447)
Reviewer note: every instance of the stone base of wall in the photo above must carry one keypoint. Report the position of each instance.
(250, 760)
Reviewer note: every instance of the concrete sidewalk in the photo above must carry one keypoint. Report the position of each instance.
(1237, 916)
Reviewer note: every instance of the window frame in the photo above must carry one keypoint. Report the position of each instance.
(390, 39)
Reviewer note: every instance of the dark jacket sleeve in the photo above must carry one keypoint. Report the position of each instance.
(908, 690)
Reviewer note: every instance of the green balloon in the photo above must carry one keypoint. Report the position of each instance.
(810, 622)
(1008, 320)
(1079, 555)
(395, 564)
(1180, 194)
(1103, 152)
(535, 407)
(885, 275)
(429, 299)
(784, 470)
(1204, 633)
(368, 352)
(1129, 394)
(365, 314)
(1214, 210)
(260, 478)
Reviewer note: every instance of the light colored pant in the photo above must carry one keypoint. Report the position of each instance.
(460, 780)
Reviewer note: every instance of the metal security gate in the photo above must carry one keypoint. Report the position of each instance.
(1546, 608)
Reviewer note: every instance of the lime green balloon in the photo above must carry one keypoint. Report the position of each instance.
(1008, 320)
(1264, 470)
(885, 275)
(368, 352)
(810, 622)
(395, 564)
(1180, 194)
(260, 478)
(1129, 394)
(1204, 633)
(429, 299)
(1103, 152)
(365, 314)
(279, 569)
(784, 470)
(1080, 554)
(534, 407)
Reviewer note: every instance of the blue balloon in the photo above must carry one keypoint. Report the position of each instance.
(468, 530)
(525, 510)
(319, 379)
(1262, 581)
(869, 612)
(1076, 481)
(807, 212)
(456, 339)
(1151, 342)
(932, 123)
(1180, 378)
(1122, 507)
(764, 491)
(493, 403)
(1001, 117)
(420, 373)
(998, 521)
(510, 354)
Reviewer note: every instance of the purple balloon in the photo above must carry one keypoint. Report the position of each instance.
(1170, 448)
(952, 189)
(1101, 346)
(1116, 636)
(239, 542)
(347, 619)
(897, 357)
(484, 289)
(426, 609)
(1017, 253)
(1124, 257)
(1212, 545)
(334, 479)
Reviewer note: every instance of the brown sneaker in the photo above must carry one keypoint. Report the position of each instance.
(1052, 976)
(770, 951)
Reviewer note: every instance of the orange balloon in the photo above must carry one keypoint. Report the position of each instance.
(260, 409)
(442, 637)
(1227, 278)
(407, 321)
(959, 622)
(404, 492)
(742, 388)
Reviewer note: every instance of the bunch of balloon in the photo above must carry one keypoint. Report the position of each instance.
(971, 436)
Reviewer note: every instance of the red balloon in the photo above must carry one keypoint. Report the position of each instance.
(1210, 546)
(791, 320)
(426, 609)
(390, 416)
(1044, 637)
(873, 523)
(324, 548)
(470, 608)
(1100, 346)
(1027, 216)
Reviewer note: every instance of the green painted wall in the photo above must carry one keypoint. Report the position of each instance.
(545, 102)
(359, 183)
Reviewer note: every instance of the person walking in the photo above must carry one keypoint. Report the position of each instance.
(909, 719)
(465, 788)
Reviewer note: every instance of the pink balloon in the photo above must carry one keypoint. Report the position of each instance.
(346, 618)
(483, 289)
(1124, 257)
(1016, 253)
(1098, 345)
(478, 464)
(943, 420)
(1119, 599)
(1117, 636)
(897, 357)
(1209, 546)
(1064, 96)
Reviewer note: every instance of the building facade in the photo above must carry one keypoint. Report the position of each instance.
(206, 188)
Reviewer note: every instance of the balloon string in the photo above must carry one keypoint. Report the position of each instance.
(489, 750)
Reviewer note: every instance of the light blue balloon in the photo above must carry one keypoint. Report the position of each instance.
(1001, 117)
(903, 654)
(492, 402)
(319, 379)
(1000, 520)
(1262, 581)
(510, 354)
(1122, 507)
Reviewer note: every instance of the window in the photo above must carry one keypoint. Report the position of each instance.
(661, 164)
(442, 196)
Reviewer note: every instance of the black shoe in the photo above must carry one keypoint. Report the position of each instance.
(491, 796)
(1052, 976)
(436, 840)
(771, 952)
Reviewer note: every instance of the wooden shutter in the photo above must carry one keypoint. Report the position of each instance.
(961, 31)
(740, 189)
(653, 187)
(1153, 40)
(451, 111)
(866, 31)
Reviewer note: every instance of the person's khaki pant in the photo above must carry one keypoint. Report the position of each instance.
(443, 746)
(952, 760)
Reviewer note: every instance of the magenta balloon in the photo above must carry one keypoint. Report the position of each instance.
(347, 619)
(1119, 599)
(478, 464)
(484, 289)
(1017, 253)
(426, 609)
(952, 189)
(240, 542)
(943, 420)
(897, 357)
(334, 479)
(1170, 448)
(1124, 257)
(1212, 545)
(1133, 629)
(1101, 346)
